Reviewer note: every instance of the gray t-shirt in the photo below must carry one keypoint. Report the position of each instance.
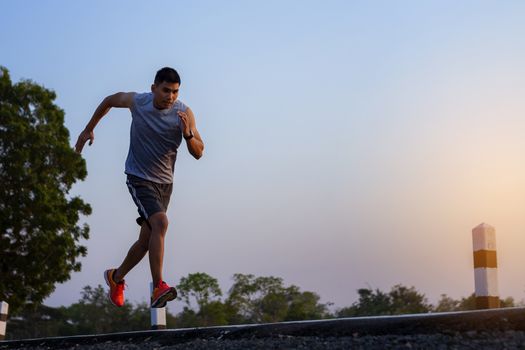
(155, 136)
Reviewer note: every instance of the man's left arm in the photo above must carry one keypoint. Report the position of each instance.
(191, 134)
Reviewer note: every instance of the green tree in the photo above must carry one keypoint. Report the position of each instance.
(269, 303)
(407, 300)
(187, 318)
(39, 234)
(400, 300)
(265, 299)
(212, 314)
(507, 302)
(306, 306)
(370, 303)
(239, 302)
(446, 304)
(94, 314)
(199, 287)
(203, 291)
(466, 303)
(256, 300)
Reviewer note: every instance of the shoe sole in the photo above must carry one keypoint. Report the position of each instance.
(106, 277)
(163, 299)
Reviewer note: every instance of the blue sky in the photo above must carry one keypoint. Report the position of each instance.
(348, 143)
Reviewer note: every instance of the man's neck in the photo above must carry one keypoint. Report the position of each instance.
(156, 106)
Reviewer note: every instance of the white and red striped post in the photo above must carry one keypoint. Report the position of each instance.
(4, 308)
(158, 315)
(485, 267)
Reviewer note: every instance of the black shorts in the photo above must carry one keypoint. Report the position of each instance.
(150, 197)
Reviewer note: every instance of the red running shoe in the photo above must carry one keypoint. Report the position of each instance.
(162, 294)
(116, 290)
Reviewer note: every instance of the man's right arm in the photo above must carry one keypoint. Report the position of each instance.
(118, 100)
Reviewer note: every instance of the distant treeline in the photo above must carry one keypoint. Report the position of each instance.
(249, 300)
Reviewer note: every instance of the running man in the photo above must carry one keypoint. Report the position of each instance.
(159, 123)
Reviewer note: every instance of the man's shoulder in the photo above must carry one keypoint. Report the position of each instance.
(181, 105)
(142, 98)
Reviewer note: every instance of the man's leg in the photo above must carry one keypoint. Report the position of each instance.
(159, 226)
(135, 253)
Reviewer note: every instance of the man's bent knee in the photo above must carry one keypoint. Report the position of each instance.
(159, 222)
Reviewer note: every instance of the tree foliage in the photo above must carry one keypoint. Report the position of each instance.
(250, 300)
(265, 299)
(446, 303)
(200, 287)
(39, 234)
(203, 291)
(94, 313)
(400, 300)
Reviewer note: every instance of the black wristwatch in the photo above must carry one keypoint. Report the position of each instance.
(189, 136)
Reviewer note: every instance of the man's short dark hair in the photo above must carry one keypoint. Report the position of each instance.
(168, 75)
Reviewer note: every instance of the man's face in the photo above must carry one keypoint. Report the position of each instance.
(164, 94)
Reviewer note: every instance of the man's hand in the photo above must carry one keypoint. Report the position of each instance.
(82, 138)
(185, 119)
(195, 144)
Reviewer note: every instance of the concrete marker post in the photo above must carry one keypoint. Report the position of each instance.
(4, 308)
(485, 267)
(158, 315)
